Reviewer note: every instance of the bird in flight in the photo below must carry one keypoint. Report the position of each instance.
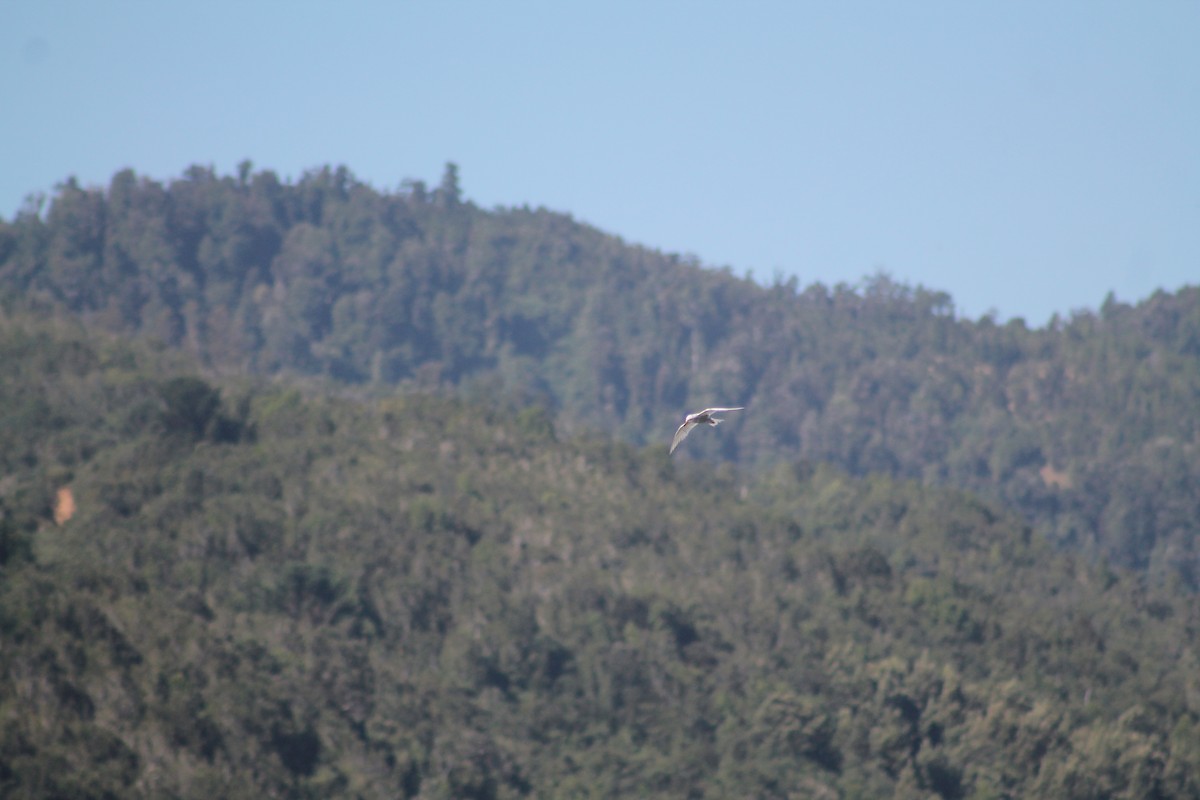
(704, 417)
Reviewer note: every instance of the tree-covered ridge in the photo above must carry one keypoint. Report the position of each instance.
(1088, 426)
(262, 592)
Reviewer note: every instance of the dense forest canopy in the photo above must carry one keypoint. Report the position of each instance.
(1087, 427)
(237, 587)
(310, 489)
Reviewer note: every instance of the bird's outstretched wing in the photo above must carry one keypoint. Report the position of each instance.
(682, 433)
(718, 410)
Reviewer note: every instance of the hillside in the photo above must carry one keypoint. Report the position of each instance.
(1087, 427)
(266, 591)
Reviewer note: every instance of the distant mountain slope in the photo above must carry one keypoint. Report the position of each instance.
(263, 593)
(1089, 426)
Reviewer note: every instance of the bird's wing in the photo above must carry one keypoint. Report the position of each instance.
(720, 410)
(681, 434)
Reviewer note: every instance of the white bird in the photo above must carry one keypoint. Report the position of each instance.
(704, 417)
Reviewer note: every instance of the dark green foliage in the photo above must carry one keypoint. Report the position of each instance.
(14, 537)
(1087, 427)
(434, 587)
(412, 595)
(191, 405)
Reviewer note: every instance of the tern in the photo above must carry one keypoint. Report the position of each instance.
(704, 417)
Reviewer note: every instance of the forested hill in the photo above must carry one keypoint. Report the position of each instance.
(1088, 426)
(226, 588)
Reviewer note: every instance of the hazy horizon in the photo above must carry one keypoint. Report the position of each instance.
(1026, 160)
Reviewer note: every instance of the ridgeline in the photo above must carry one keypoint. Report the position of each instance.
(314, 490)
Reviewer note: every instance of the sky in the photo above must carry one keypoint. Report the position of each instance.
(1027, 158)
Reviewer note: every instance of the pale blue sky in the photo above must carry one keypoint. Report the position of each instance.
(1026, 157)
